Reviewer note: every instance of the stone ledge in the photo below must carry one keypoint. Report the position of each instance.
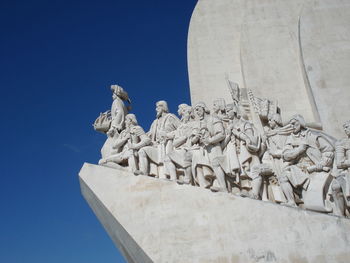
(155, 220)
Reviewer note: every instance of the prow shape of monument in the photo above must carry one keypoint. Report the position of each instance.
(230, 180)
(152, 220)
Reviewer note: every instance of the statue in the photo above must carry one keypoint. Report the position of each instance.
(341, 183)
(181, 156)
(118, 109)
(129, 141)
(248, 143)
(162, 141)
(232, 165)
(309, 158)
(272, 162)
(224, 151)
(117, 118)
(208, 133)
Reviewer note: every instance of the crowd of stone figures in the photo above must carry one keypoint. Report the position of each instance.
(226, 149)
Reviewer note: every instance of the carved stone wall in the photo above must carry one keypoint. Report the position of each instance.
(296, 52)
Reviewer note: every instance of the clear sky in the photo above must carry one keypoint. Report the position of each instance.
(58, 59)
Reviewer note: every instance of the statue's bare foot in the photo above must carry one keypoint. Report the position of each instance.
(180, 181)
(138, 172)
(215, 189)
(218, 189)
(187, 181)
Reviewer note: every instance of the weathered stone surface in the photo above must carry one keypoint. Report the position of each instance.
(156, 220)
(296, 52)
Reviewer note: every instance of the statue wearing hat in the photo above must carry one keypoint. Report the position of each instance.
(208, 133)
(116, 118)
(180, 158)
(309, 158)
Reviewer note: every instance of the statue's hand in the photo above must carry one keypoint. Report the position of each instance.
(162, 134)
(342, 165)
(302, 148)
(274, 154)
(119, 127)
(347, 163)
(206, 141)
(111, 132)
(132, 146)
(235, 132)
(319, 167)
(170, 136)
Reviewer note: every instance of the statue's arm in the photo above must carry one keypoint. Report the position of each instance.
(289, 153)
(179, 141)
(118, 120)
(327, 151)
(340, 152)
(144, 141)
(219, 133)
(120, 142)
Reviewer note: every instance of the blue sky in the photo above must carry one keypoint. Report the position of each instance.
(58, 59)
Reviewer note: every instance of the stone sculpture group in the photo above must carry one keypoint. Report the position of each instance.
(242, 147)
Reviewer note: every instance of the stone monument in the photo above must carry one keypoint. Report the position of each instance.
(249, 178)
(296, 52)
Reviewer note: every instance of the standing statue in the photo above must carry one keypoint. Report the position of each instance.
(230, 146)
(208, 133)
(118, 113)
(118, 109)
(272, 162)
(161, 137)
(309, 158)
(248, 149)
(341, 183)
(181, 156)
(125, 147)
(260, 158)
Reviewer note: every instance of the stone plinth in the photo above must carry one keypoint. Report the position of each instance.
(156, 220)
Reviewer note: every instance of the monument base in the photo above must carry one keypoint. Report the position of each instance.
(156, 220)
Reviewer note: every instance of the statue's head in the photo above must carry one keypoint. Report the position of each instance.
(298, 123)
(275, 120)
(161, 107)
(187, 113)
(181, 108)
(346, 127)
(200, 110)
(231, 111)
(130, 119)
(118, 91)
